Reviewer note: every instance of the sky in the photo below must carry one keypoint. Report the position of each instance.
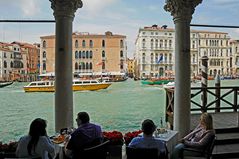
(123, 17)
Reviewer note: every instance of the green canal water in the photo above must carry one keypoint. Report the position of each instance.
(121, 107)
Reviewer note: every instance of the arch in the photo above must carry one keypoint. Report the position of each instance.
(44, 44)
(121, 43)
(83, 54)
(11, 64)
(103, 54)
(91, 54)
(44, 54)
(90, 66)
(87, 54)
(76, 55)
(86, 66)
(80, 65)
(103, 43)
(121, 54)
(44, 65)
(5, 64)
(91, 43)
(83, 65)
(76, 44)
(76, 66)
(80, 55)
(83, 43)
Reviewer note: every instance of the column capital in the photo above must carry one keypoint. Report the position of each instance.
(65, 8)
(181, 9)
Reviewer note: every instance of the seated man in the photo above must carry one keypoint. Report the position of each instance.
(84, 136)
(147, 140)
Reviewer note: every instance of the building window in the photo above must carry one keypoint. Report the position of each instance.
(143, 43)
(103, 43)
(152, 43)
(83, 65)
(76, 44)
(87, 54)
(83, 54)
(170, 43)
(5, 64)
(90, 66)
(83, 43)
(76, 55)
(103, 65)
(121, 44)
(91, 54)
(76, 66)
(103, 54)
(80, 55)
(161, 43)
(44, 54)
(43, 44)
(156, 43)
(121, 54)
(121, 65)
(86, 66)
(91, 43)
(4, 55)
(44, 66)
(11, 64)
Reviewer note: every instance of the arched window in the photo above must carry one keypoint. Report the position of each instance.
(170, 43)
(165, 44)
(76, 44)
(5, 64)
(91, 54)
(121, 65)
(80, 55)
(156, 43)
(103, 65)
(143, 43)
(83, 54)
(91, 43)
(121, 54)
(161, 43)
(11, 64)
(87, 54)
(87, 67)
(103, 43)
(103, 54)
(44, 54)
(91, 66)
(44, 65)
(83, 43)
(121, 43)
(83, 65)
(76, 66)
(44, 44)
(152, 43)
(80, 66)
(76, 55)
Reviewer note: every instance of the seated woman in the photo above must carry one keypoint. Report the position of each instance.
(198, 138)
(147, 140)
(36, 143)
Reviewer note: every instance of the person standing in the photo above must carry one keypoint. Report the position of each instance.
(36, 143)
(87, 134)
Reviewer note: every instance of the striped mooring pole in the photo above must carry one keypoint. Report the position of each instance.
(204, 82)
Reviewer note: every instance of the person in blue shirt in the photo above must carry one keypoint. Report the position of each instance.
(148, 140)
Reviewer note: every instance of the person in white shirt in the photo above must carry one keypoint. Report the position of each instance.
(36, 143)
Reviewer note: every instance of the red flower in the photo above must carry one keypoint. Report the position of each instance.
(130, 135)
(8, 147)
(115, 137)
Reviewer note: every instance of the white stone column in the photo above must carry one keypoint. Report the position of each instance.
(64, 15)
(182, 11)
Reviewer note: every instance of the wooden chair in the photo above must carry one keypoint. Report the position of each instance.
(141, 153)
(200, 153)
(98, 151)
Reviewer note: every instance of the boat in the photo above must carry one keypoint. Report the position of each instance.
(160, 81)
(77, 85)
(4, 84)
(169, 85)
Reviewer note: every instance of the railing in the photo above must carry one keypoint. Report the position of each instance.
(217, 99)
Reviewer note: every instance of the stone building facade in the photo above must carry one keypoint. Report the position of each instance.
(92, 54)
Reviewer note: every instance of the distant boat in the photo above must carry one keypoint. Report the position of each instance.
(160, 81)
(77, 85)
(4, 84)
(169, 85)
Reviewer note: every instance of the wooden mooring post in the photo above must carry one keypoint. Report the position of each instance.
(218, 93)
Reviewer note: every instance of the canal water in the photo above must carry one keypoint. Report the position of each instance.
(121, 107)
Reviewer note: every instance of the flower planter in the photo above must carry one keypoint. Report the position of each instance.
(115, 151)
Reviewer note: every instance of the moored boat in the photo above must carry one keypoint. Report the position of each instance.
(77, 85)
(4, 84)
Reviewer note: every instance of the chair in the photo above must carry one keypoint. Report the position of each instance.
(98, 151)
(141, 153)
(205, 153)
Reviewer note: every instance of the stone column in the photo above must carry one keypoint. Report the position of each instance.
(64, 11)
(182, 11)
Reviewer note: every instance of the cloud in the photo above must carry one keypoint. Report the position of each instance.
(95, 6)
(29, 7)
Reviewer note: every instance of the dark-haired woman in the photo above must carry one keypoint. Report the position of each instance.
(36, 143)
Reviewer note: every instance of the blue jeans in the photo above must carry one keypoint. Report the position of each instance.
(178, 151)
